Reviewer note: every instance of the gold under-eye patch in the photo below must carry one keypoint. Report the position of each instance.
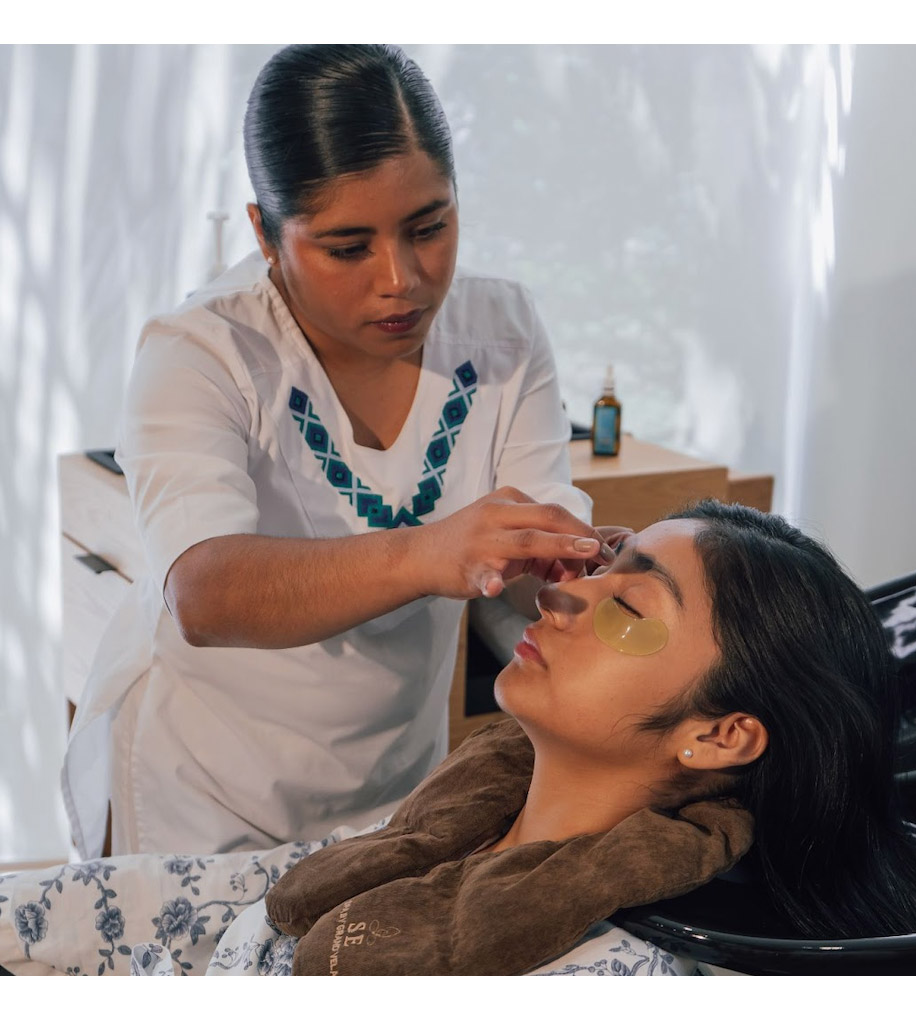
(628, 634)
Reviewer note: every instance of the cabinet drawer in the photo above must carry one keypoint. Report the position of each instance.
(95, 512)
(89, 601)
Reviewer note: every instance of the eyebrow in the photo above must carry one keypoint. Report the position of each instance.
(643, 563)
(430, 207)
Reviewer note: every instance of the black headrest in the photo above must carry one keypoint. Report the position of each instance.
(895, 604)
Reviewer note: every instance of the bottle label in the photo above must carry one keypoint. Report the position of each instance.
(605, 439)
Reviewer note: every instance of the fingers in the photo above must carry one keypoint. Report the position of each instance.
(543, 570)
(508, 533)
(513, 562)
(545, 540)
(567, 570)
(530, 545)
(491, 584)
(509, 494)
(528, 516)
(613, 533)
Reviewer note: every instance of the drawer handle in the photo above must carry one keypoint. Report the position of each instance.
(95, 563)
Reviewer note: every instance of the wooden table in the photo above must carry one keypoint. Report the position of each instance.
(645, 482)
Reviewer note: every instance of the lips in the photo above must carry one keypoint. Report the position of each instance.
(400, 323)
(528, 649)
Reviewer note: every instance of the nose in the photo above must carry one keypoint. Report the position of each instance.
(558, 604)
(398, 271)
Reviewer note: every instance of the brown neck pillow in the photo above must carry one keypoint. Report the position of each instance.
(409, 900)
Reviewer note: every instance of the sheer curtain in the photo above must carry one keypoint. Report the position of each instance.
(729, 225)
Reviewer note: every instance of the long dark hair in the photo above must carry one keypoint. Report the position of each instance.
(803, 651)
(318, 111)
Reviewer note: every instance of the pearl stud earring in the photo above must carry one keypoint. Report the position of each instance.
(688, 753)
(270, 260)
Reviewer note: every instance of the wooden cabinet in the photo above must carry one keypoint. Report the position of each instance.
(90, 596)
(644, 482)
(102, 554)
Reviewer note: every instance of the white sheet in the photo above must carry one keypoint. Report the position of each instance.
(149, 914)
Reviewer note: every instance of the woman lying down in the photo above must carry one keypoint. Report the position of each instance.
(721, 683)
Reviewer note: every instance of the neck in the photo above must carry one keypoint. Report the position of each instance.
(569, 797)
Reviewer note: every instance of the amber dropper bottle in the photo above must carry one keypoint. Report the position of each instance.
(606, 420)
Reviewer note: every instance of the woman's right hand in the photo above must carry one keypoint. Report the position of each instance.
(477, 549)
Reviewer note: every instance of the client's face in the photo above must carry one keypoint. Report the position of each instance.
(611, 648)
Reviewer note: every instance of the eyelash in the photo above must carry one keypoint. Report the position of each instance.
(627, 607)
(355, 251)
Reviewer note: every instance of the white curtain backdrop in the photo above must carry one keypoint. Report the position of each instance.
(732, 226)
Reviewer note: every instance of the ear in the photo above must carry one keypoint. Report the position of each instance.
(732, 740)
(254, 214)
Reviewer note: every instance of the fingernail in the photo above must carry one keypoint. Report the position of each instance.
(606, 552)
(585, 544)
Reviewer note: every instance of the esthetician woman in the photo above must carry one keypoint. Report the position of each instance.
(327, 450)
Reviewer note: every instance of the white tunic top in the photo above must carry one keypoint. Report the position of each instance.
(232, 427)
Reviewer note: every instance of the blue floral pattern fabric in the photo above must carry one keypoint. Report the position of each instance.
(609, 951)
(165, 915)
(368, 504)
(141, 914)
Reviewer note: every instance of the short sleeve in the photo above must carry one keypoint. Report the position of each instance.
(535, 456)
(184, 446)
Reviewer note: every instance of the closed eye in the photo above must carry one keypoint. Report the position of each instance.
(627, 608)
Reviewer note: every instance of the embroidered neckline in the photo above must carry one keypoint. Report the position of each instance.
(368, 504)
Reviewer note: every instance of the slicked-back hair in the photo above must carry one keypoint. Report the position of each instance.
(317, 112)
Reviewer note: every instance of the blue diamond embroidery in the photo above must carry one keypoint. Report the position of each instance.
(370, 506)
(339, 474)
(377, 513)
(380, 517)
(437, 453)
(316, 435)
(455, 411)
(404, 519)
(466, 374)
(427, 496)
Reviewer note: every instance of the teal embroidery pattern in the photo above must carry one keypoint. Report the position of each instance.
(370, 505)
